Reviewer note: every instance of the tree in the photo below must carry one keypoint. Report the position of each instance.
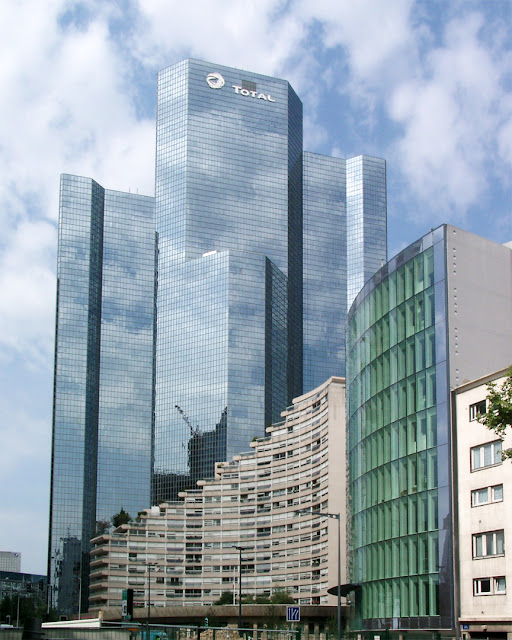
(498, 415)
(123, 517)
(280, 596)
(102, 526)
(226, 597)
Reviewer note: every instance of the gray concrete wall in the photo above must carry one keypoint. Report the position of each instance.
(479, 299)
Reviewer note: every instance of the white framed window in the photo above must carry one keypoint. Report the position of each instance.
(487, 495)
(477, 409)
(482, 586)
(497, 493)
(491, 543)
(489, 586)
(486, 455)
(500, 585)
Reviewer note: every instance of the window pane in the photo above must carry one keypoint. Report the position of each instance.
(500, 585)
(487, 455)
(485, 585)
(479, 546)
(475, 458)
(482, 495)
(499, 542)
(497, 452)
(497, 493)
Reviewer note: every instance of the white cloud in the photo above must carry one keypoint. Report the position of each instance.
(450, 116)
(370, 32)
(253, 35)
(27, 282)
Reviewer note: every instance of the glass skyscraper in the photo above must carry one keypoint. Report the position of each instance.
(229, 222)
(344, 243)
(104, 370)
(186, 323)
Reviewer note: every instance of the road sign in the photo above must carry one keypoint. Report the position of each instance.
(293, 614)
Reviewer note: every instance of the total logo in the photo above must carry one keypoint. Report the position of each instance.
(216, 81)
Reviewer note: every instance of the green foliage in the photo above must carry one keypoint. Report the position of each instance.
(102, 526)
(123, 517)
(498, 416)
(226, 597)
(30, 606)
(280, 596)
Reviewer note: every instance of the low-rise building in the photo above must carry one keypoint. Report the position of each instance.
(484, 528)
(265, 518)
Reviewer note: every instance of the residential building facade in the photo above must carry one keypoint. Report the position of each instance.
(267, 507)
(414, 333)
(484, 525)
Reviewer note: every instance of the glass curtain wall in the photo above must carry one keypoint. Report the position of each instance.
(398, 443)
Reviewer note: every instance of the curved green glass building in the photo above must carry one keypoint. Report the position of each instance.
(399, 451)
(435, 316)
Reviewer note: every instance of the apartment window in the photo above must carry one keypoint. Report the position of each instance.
(488, 544)
(477, 409)
(486, 455)
(482, 586)
(489, 586)
(487, 495)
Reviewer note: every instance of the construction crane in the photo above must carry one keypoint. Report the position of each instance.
(194, 431)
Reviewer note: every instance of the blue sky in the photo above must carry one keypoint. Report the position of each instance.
(425, 85)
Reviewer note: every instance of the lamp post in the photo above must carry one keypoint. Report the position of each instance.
(149, 565)
(336, 516)
(239, 585)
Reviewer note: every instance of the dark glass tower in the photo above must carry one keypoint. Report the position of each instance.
(103, 388)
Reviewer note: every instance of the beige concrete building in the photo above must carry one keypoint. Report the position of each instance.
(271, 503)
(483, 518)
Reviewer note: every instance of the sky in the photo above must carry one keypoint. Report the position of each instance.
(425, 85)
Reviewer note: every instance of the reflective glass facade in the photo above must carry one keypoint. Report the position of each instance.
(399, 442)
(103, 389)
(229, 340)
(345, 243)
(187, 323)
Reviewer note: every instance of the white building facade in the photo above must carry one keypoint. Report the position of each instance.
(483, 516)
(268, 508)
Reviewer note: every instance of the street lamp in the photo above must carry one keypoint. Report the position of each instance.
(239, 585)
(336, 516)
(149, 565)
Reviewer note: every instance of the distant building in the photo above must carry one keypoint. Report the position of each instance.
(272, 503)
(433, 318)
(10, 561)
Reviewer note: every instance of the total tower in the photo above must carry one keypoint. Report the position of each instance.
(187, 322)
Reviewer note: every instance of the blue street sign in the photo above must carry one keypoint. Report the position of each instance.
(293, 614)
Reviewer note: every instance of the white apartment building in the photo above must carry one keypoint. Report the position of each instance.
(268, 508)
(483, 520)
